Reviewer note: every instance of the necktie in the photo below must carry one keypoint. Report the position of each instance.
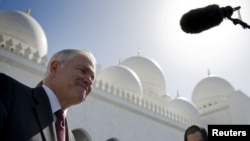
(60, 125)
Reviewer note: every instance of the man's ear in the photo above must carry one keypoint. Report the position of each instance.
(54, 66)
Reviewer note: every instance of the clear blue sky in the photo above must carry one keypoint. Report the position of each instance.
(118, 29)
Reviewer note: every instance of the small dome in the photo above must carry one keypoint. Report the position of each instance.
(211, 88)
(24, 28)
(184, 108)
(149, 72)
(121, 77)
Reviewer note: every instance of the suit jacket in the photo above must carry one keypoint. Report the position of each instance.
(25, 113)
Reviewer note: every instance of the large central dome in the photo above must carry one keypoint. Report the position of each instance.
(150, 74)
(24, 28)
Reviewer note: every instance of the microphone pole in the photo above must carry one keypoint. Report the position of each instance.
(238, 21)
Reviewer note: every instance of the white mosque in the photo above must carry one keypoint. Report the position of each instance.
(129, 100)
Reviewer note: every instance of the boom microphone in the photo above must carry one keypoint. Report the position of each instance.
(201, 19)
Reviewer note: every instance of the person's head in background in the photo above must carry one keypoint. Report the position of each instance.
(70, 75)
(195, 133)
(113, 139)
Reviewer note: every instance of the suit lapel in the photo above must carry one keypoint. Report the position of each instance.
(44, 114)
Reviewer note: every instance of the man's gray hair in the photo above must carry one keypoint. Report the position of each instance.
(66, 55)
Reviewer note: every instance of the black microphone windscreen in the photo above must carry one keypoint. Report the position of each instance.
(201, 19)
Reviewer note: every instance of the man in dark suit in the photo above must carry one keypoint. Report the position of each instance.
(28, 114)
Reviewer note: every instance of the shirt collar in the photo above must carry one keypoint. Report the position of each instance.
(54, 103)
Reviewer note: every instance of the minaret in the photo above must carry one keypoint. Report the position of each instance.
(28, 11)
(208, 73)
(119, 62)
(177, 94)
(139, 52)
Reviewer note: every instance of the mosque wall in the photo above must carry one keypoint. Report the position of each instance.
(21, 68)
(239, 103)
(104, 116)
(219, 115)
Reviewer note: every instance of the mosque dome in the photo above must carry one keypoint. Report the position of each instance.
(211, 88)
(24, 28)
(183, 107)
(121, 77)
(149, 72)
